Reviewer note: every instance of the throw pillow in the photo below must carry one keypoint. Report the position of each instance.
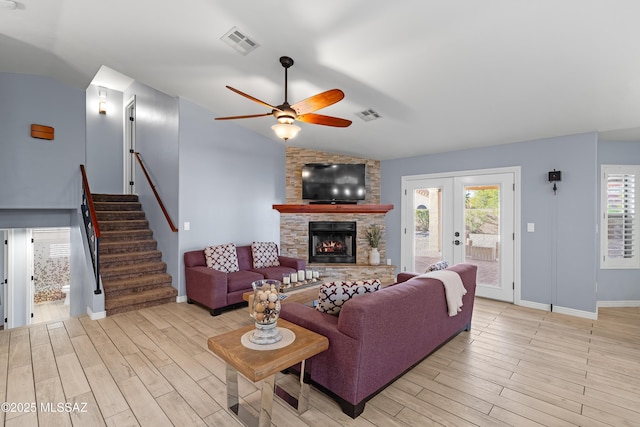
(333, 295)
(265, 254)
(222, 257)
(440, 265)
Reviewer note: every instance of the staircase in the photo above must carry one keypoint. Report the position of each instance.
(131, 267)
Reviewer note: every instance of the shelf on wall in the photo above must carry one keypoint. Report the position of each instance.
(337, 208)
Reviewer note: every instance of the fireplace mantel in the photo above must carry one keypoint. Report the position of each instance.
(337, 208)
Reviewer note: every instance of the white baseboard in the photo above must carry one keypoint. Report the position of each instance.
(535, 305)
(573, 312)
(558, 309)
(182, 298)
(96, 316)
(614, 304)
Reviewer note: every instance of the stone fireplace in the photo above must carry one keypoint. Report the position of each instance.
(296, 215)
(332, 242)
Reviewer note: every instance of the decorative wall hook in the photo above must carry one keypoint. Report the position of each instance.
(553, 177)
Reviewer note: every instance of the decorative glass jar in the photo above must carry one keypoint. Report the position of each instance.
(265, 311)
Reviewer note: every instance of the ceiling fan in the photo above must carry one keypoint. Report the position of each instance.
(302, 111)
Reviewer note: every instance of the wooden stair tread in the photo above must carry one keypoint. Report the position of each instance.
(103, 197)
(148, 279)
(125, 235)
(132, 267)
(129, 257)
(140, 297)
(131, 224)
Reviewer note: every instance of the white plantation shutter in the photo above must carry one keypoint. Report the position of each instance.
(620, 222)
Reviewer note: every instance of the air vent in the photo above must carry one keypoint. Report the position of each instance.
(239, 41)
(368, 115)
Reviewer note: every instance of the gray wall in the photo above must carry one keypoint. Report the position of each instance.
(104, 161)
(40, 183)
(229, 179)
(618, 284)
(558, 259)
(157, 142)
(37, 173)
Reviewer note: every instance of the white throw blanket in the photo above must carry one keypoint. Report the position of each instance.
(453, 288)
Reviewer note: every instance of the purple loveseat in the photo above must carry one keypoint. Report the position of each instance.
(217, 290)
(379, 336)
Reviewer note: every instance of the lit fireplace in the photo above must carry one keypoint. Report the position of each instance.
(332, 242)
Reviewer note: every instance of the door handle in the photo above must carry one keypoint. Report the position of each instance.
(456, 242)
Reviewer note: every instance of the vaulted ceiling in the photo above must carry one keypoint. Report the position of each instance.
(443, 74)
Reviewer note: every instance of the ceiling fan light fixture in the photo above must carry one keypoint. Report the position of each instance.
(286, 120)
(286, 130)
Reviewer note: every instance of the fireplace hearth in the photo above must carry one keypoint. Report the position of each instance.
(332, 242)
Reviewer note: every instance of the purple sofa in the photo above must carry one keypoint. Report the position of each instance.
(217, 290)
(377, 337)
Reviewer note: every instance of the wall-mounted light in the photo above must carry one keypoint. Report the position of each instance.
(555, 176)
(102, 100)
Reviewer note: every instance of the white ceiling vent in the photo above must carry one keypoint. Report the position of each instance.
(368, 115)
(239, 41)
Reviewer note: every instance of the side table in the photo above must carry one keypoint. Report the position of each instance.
(258, 365)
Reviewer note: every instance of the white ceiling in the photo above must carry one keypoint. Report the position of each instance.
(443, 74)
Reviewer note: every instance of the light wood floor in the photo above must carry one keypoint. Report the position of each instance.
(517, 366)
(50, 311)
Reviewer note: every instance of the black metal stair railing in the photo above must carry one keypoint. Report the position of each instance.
(91, 227)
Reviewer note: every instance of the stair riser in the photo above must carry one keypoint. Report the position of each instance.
(131, 259)
(123, 247)
(117, 206)
(161, 268)
(139, 297)
(132, 291)
(124, 225)
(119, 216)
(114, 197)
(122, 236)
(127, 308)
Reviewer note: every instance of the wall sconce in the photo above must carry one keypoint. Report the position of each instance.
(553, 177)
(102, 100)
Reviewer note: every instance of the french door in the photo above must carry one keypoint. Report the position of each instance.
(463, 218)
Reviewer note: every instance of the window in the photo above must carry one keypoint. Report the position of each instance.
(620, 224)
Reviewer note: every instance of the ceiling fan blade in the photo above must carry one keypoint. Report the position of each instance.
(239, 92)
(250, 116)
(319, 119)
(318, 101)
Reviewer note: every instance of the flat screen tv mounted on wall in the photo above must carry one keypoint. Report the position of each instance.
(333, 182)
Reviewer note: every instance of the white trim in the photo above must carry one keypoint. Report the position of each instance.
(30, 265)
(96, 316)
(573, 312)
(617, 304)
(615, 263)
(517, 216)
(129, 173)
(182, 298)
(9, 302)
(559, 310)
(534, 305)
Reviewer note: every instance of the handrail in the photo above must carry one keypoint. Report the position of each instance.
(164, 211)
(92, 208)
(91, 227)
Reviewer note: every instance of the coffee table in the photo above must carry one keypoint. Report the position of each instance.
(258, 365)
(304, 294)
